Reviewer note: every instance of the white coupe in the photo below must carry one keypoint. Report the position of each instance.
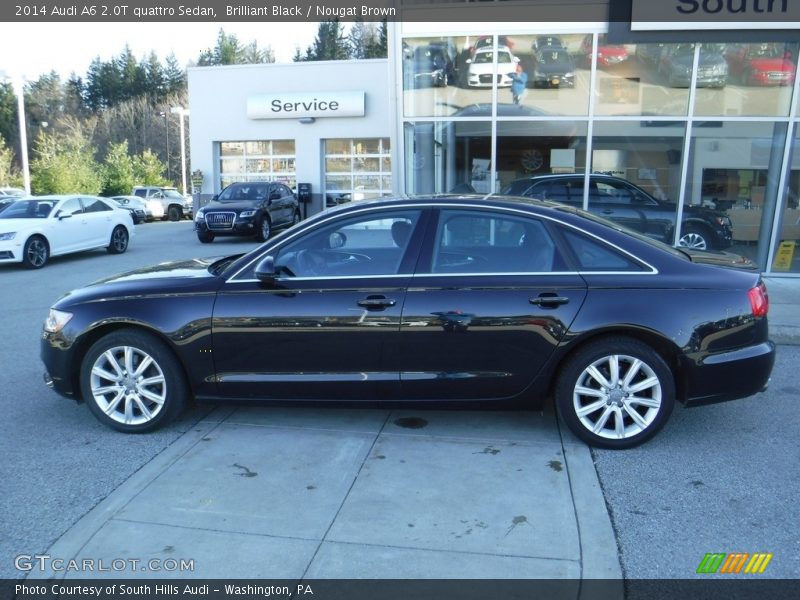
(34, 229)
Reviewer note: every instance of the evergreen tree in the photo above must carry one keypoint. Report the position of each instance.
(9, 127)
(228, 51)
(74, 102)
(174, 76)
(330, 42)
(155, 81)
(298, 56)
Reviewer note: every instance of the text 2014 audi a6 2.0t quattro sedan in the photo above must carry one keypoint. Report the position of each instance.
(442, 298)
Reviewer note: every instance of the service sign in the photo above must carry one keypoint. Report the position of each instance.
(698, 15)
(306, 105)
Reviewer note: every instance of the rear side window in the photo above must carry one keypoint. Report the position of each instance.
(593, 255)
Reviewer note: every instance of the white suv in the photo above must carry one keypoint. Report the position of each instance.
(165, 202)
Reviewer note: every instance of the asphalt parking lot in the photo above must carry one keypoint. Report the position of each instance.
(717, 479)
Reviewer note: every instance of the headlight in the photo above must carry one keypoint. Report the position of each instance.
(56, 319)
(4, 237)
(247, 213)
(569, 75)
(200, 214)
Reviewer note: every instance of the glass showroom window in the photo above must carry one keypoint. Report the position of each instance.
(357, 169)
(265, 160)
(787, 250)
(735, 169)
(646, 154)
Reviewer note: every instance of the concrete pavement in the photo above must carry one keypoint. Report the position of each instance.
(784, 309)
(277, 492)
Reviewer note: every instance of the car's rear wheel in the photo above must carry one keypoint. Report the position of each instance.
(206, 237)
(175, 213)
(132, 382)
(615, 393)
(695, 238)
(119, 240)
(264, 230)
(36, 252)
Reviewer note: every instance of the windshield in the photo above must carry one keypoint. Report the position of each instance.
(243, 191)
(28, 209)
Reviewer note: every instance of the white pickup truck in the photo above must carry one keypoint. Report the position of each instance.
(165, 202)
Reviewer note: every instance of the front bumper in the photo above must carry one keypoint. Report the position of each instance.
(11, 250)
(241, 226)
(55, 352)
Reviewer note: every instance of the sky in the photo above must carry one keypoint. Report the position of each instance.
(32, 49)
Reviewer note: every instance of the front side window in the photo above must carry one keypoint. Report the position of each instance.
(363, 246)
(483, 242)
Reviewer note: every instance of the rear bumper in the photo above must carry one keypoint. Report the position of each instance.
(724, 376)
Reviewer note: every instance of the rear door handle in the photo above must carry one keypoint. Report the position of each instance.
(548, 301)
(376, 302)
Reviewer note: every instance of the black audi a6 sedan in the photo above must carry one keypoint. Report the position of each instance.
(438, 298)
(629, 205)
(254, 208)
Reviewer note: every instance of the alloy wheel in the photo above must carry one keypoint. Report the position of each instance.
(617, 397)
(119, 240)
(128, 385)
(693, 240)
(36, 252)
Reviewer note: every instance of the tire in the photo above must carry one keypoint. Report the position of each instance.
(119, 240)
(36, 252)
(116, 398)
(295, 218)
(264, 229)
(205, 237)
(175, 213)
(599, 413)
(694, 237)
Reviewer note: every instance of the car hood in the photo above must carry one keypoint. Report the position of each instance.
(720, 259)
(168, 278)
(7, 225)
(236, 205)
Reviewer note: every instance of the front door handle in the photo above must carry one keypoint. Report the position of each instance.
(376, 302)
(548, 301)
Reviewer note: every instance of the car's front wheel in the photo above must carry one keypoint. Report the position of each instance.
(36, 252)
(119, 240)
(615, 393)
(132, 382)
(264, 230)
(175, 213)
(206, 237)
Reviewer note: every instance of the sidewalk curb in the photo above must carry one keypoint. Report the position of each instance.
(599, 553)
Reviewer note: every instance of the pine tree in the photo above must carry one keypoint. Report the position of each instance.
(174, 76)
(330, 42)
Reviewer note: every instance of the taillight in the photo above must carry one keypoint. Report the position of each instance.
(759, 300)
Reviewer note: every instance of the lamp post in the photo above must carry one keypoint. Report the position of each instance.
(179, 110)
(165, 114)
(19, 90)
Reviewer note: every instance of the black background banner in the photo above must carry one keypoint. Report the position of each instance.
(711, 588)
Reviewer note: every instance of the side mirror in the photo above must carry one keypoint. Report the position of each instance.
(469, 61)
(214, 197)
(265, 270)
(62, 216)
(275, 196)
(516, 59)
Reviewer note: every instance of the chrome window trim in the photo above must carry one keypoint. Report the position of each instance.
(652, 271)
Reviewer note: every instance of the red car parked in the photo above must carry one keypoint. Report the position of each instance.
(760, 64)
(608, 55)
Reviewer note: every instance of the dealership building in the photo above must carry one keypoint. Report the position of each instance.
(693, 112)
